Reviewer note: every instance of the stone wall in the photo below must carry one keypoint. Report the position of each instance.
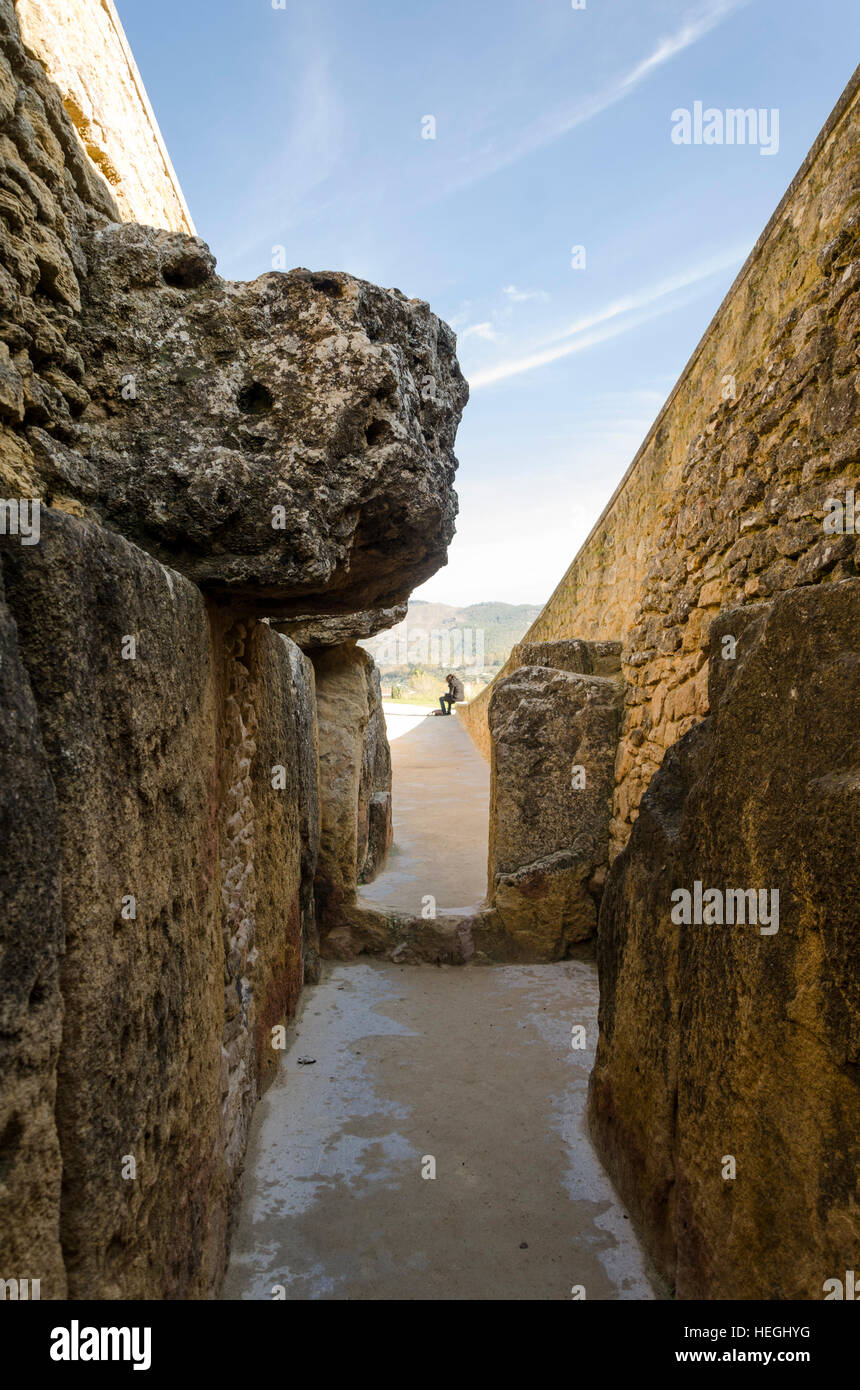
(725, 501)
(181, 881)
(725, 1098)
(49, 195)
(85, 53)
(31, 1004)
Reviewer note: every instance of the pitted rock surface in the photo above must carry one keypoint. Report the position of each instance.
(288, 442)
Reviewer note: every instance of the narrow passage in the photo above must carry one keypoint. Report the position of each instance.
(441, 795)
(390, 1066)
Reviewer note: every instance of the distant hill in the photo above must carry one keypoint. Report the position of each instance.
(418, 639)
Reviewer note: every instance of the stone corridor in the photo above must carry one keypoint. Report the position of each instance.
(473, 1068)
(441, 815)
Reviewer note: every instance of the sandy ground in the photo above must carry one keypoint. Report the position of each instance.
(472, 1067)
(441, 816)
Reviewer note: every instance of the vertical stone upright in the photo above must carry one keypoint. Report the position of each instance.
(554, 729)
(31, 1004)
(725, 1097)
(355, 779)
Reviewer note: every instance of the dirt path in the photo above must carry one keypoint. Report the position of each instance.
(472, 1067)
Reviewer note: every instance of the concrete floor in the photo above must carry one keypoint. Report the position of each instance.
(441, 794)
(472, 1066)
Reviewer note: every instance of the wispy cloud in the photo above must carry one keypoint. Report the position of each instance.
(633, 310)
(479, 330)
(552, 127)
(520, 296)
(651, 294)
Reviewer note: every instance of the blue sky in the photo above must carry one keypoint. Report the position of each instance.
(302, 127)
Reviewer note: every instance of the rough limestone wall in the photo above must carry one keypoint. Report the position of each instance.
(85, 52)
(308, 770)
(725, 1041)
(140, 1055)
(31, 1005)
(49, 196)
(724, 503)
(375, 825)
(164, 791)
(261, 812)
(548, 850)
(355, 785)
(475, 716)
(554, 723)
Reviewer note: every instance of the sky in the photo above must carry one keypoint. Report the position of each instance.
(576, 247)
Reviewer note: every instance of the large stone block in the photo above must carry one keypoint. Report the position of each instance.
(305, 703)
(355, 767)
(375, 828)
(180, 767)
(131, 749)
(266, 799)
(31, 1006)
(738, 1040)
(288, 442)
(554, 737)
(308, 632)
(571, 654)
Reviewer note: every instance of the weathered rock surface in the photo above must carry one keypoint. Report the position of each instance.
(719, 1040)
(165, 419)
(375, 827)
(554, 737)
(308, 632)
(571, 654)
(84, 49)
(130, 746)
(287, 443)
(307, 736)
(266, 797)
(31, 1006)
(355, 778)
(179, 783)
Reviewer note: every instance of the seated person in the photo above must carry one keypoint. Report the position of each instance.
(454, 693)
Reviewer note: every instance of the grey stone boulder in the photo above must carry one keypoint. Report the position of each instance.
(215, 404)
(309, 631)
